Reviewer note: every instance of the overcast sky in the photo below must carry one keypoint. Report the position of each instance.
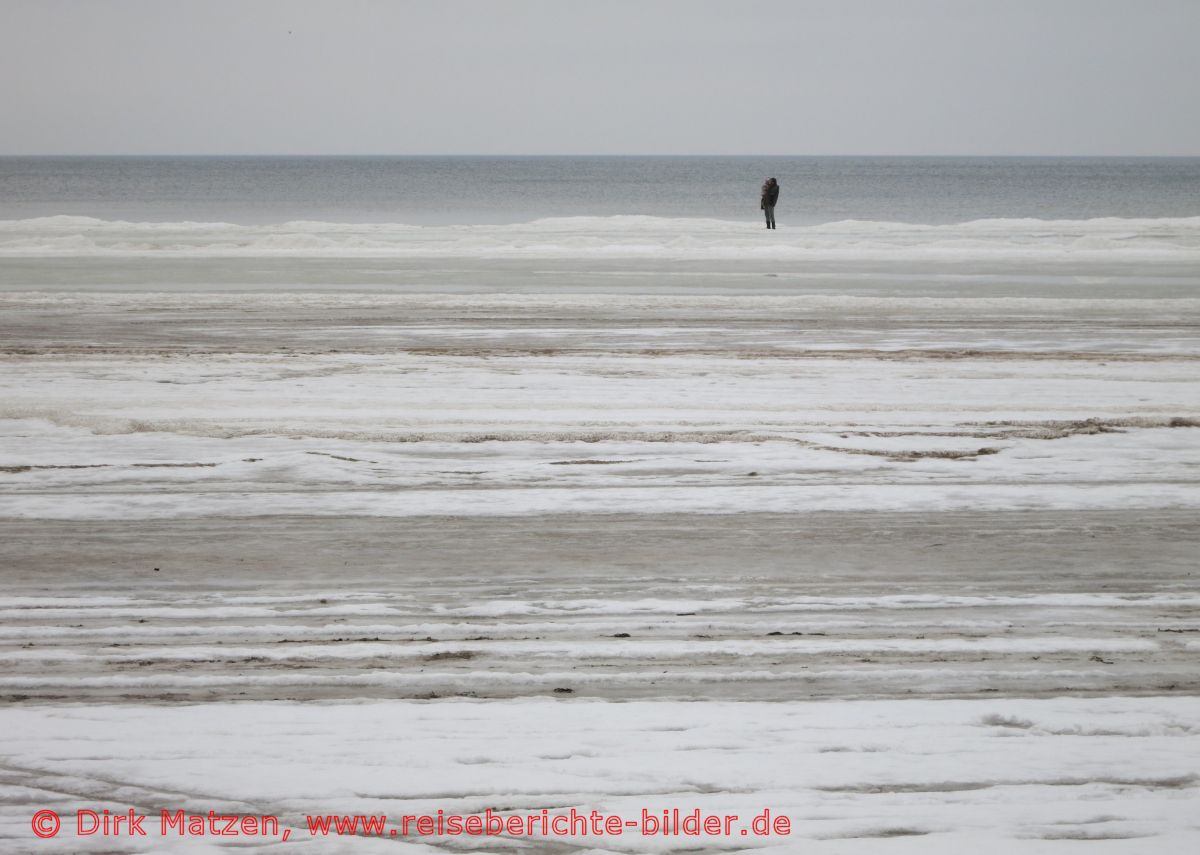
(600, 76)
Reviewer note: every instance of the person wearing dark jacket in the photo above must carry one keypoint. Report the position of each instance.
(770, 195)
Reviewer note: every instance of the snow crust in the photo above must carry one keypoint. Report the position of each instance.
(1000, 775)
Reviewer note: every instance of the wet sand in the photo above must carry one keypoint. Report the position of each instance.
(752, 606)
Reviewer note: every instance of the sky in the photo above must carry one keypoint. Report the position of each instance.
(900, 77)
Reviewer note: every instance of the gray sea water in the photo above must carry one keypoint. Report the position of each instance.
(480, 190)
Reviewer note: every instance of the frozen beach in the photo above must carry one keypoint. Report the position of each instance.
(626, 428)
(889, 530)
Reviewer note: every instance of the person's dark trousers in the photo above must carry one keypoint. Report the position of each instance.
(769, 210)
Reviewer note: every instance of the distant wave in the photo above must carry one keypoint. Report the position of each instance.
(625, 236)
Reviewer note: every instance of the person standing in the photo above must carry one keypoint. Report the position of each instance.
(770, 195)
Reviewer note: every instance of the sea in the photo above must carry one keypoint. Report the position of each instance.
(505, 190)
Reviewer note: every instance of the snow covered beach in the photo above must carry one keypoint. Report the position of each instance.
(900, 543)
(1003, 775)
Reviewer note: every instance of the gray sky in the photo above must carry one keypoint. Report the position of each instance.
(600, 76)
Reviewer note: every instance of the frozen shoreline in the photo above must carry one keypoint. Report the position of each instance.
(1109, 239)
(983, 559)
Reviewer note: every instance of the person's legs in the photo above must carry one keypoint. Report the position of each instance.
(770, 216)
(767, 214)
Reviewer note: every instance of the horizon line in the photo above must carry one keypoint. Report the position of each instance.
(573, 155)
